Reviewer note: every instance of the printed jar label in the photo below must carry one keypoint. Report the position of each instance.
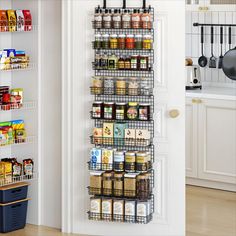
(108, 112)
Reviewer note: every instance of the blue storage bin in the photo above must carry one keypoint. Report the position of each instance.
(13, 216)
(13, 192)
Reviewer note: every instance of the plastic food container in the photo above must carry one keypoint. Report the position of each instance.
(13, 215)
(13, 192)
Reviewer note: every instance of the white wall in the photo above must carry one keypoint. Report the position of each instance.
(51, 114)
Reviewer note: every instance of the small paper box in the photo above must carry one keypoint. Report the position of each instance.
(119, 133)
(108, 132)
(130, 137)
(107, 159)
(142, 137)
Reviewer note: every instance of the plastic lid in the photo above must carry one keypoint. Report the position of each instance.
(147, 36)
(130, 36)
(120, 104)
(114, 36)
(122, 36)
(138, 36)
(130, 153)
(133, 104)
(144, 104)
(105, 35)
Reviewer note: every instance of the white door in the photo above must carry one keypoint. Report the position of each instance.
(169, 216)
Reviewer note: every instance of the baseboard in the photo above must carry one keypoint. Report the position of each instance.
(211, 184)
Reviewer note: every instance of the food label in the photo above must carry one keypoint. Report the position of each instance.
(95, 205)
(107, 156)
(118, 208)
(143, 114)
(130, 208)
(107, 206)
(28, 169)
(96, 156)
(98, 18)
(142, 209)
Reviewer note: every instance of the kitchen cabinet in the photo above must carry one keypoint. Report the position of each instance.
(210, 140)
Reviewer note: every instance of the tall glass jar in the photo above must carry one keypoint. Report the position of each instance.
(105, 41)
(113, 41)
(116, 19)
(121, 41)
(138, 42)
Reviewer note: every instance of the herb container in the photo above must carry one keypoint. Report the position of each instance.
(107, 19)
(121, 63)
(120, 87)
(130, 185)
(95, 208)
(126, 20)
(130, 211)
(112, 62)
(109, 110)
(143, 186)
(142, 161)
(118, 184)
(121, 41)
(98, 41)
(127, 63)
(133, 87)
(130, 161)
(142, 211)
(120, 111)
(103, 65)
(130, 42)
(146, 20)
(107, 184)
(113, 41)
(144, 111)
(98, 19)
(97, 85)
(109, 86)
(143, 63)
(134, 62)
(132, 111)
(116, 19)
(138, 42)
(97, 112)
(107, 209)
(96, 183)
(119, 161)
(118, 210)
(105, 41)
(147, 42)
(135, 19)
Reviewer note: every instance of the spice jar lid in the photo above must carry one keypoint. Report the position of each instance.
(143, 154)
(144, 104)
(105, 35)
(97, 102)
(122, 36)
(147, 36)
(130, 153)
(109, 103)
(98, 35)
(133, 104)
(120, 104)
(138, 36)
(118, 153)
(130, 36)
(113, 35)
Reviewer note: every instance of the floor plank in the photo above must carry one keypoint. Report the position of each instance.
(209, 213)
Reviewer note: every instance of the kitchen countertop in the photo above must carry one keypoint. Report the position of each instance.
(213, 93)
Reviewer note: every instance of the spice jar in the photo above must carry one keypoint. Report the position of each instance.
(109, 86)
(116, 19)
(118, 210)
(143, 186)
(97, 63)
(127, 63)
(144, 111)
(143, 63)
(118, 184)
(95, 208)
(119, 160)
(120, 86)
(107, 184)
(103, 65)
(97, 110)
(130, 185)
(121, 41)
(126, 20)
(133, 87)
(96, 183)
(112, 62)
(107, 209)
(109, 110)
(98, 41)
(130, 211)
(105, 41)
(120, 111)
(121, 63)
(98, 19)
(147, 42)
(134, 62)
(130, 42)
(132, 111)
(141, 161)
(146, 20)
(130, 159)
(138, 42)
(97, 84)
(135, 19)
(113, 41)
(107, 19)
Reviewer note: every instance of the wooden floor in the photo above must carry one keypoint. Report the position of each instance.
(209, 213)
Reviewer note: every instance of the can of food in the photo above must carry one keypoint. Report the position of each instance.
(119, 160)
(130, 161)
(97, 110)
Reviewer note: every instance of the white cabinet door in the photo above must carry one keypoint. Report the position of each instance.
(169, 216)
(191, 134)
(217, 140)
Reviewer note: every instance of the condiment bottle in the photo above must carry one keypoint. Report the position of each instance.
(98, 18)
(116, 19)
(146, 20)
(107, 19)
(136, 19)
(120, 87)
(126, 20)
(112, 62)
(107, 184)
(130, 42)
(113, 41)
(121, 41)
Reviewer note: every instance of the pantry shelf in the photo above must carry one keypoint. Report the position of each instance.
(27, 140)
(18, 107)
(18, 179)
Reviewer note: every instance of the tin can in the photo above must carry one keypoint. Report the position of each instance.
(119, 160)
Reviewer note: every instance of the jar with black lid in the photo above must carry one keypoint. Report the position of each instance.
(109, 110)
(120, 111)
(97, 111)
(144, 111)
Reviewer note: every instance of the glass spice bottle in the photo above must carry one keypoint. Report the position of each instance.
(120, 111)
(126, 19)
(127, 63)
(146, 19)
(112, 62)
(116, 19)
(107, 19)
(133, 87)
(138, 42)
(98, 41)
(107, 184)
(121, 41)
(134, 62)
(147, 42)
(130, 160)
(130, 42)
(98, 18)
(132, 111)
(135, 19)
(143, 62)
(121, 63)
(130, 185)
(118, 184)
(113, 41)
(105, 41)
(104, 62)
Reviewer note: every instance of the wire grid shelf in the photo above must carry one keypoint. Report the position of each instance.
(16, 107)
(5, 29)
(17, 67)
(17, 179)
(16, 142)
